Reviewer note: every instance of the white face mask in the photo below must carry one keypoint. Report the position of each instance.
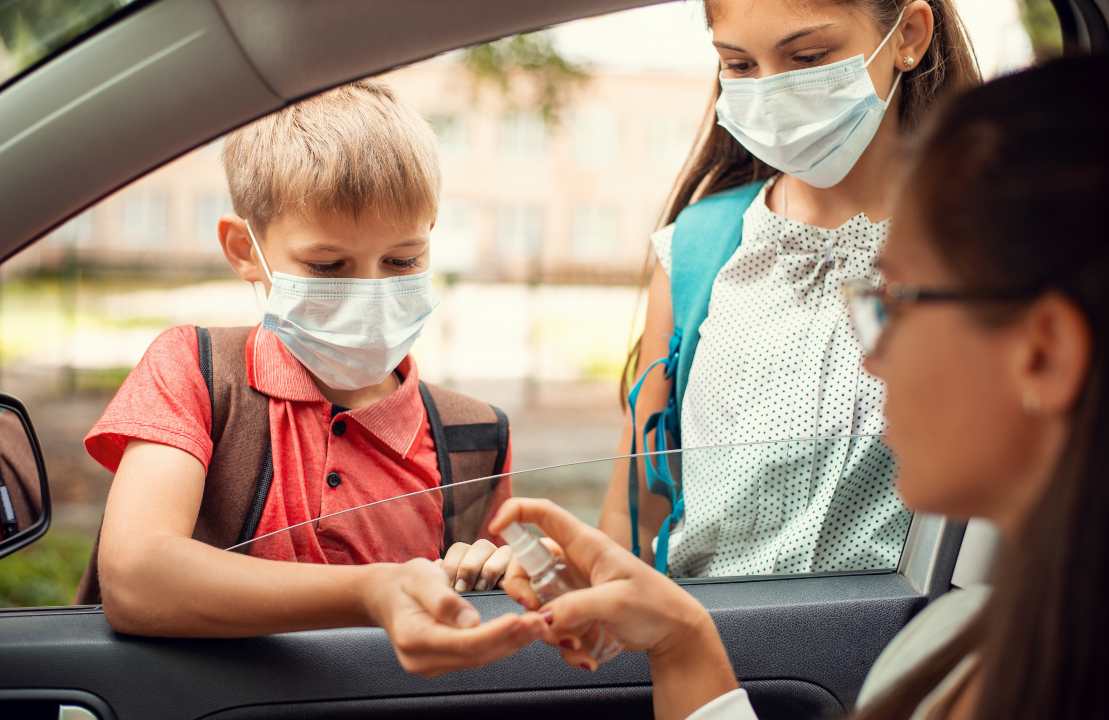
(349, 332)
(813, 124)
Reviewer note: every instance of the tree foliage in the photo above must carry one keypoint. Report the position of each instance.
(526, 68)
(31, 30)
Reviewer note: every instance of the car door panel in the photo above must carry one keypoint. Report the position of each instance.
(820, 634)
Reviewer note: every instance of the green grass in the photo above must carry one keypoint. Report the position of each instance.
(45, 573)
(100, 380)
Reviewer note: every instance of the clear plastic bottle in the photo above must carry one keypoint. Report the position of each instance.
(550, 578)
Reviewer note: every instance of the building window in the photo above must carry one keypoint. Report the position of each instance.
(670, 140)
(595, 233)
(145, 218)
(596, 137)
(519, 232)
(77, 232)
(452, 132)
(455, 233)
(209, 208)
(523, 134)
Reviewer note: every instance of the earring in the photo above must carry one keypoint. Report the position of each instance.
(909, 61)
(1031, 403)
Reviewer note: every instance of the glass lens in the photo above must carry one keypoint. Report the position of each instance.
(868, 316)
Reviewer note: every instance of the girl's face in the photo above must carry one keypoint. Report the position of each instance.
(759, 38)
(967, 442)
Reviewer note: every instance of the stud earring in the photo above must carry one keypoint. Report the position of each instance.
(909, 61)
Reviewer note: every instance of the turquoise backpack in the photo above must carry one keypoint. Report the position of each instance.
(706, 235)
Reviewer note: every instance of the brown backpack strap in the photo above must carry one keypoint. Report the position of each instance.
(471, 441)
(230, 508)
(241, 471)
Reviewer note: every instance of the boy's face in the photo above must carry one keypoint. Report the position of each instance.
(329, 244)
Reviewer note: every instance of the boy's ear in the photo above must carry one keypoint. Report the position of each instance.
(239, 250)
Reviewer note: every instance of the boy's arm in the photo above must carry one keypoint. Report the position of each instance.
(157, 580)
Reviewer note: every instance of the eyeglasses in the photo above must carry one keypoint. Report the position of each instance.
(870, 305)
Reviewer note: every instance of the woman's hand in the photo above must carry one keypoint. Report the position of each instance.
(432, 629)
(642, 608)
(637, 605)
(476, 567)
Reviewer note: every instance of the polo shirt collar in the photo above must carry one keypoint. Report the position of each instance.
(395, 420)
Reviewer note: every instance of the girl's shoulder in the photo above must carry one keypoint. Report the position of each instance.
(662, 240)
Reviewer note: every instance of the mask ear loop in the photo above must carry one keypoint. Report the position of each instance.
(886, 39)
(259, 290)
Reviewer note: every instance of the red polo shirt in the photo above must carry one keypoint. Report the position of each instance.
(326, 459)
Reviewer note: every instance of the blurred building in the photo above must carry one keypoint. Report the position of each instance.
(523, 200)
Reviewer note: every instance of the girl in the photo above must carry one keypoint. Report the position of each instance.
(991, 338)
(795, 160)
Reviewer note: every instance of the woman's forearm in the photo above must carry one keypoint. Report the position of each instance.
(691, 673)
(175, 586)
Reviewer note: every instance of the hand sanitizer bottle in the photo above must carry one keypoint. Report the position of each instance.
(550, 578)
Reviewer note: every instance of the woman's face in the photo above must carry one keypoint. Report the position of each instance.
(957, 422)
(760, 38)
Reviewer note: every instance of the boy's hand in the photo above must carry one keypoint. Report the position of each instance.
(476, 567)
(435, 631)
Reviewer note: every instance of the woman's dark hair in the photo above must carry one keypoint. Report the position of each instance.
(718, 162)
(1011, 185)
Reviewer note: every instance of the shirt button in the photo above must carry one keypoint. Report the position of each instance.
(334, 480)
(339, 427)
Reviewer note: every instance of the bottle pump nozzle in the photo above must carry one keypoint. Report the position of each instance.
(532, 555)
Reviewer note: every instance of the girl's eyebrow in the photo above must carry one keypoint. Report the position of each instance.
(802, 33)
(781, 43)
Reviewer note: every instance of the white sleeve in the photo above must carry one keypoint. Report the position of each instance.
(661, 240)
(730, 706)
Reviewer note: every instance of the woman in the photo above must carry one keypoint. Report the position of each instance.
(991, 338)
(795, 159)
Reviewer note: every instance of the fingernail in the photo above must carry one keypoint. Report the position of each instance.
(566, 644)
(467, 617)
(548, 616)
(481, 585)
(460, 585)
(586, 666)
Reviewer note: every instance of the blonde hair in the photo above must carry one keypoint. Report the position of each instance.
(353, 149)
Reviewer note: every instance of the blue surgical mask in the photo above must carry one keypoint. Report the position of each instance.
(350, 333)
(813, 124)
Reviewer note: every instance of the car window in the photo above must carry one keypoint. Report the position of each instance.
(558, 151)
(427, 523)
(32, 31)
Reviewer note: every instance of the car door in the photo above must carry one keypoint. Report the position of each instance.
(161, 78)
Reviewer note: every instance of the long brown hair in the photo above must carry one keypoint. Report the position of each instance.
(718, 162)
(1012, 181)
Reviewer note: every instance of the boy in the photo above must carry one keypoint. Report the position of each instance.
(225, 435)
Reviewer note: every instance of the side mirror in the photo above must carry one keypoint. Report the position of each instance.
(24, 494)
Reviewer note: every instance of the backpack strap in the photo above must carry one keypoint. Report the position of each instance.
(706, 235)
(230, 508)
(240, 473)
(471, 441)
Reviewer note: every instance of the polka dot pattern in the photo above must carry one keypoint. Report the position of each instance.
(778, 365)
